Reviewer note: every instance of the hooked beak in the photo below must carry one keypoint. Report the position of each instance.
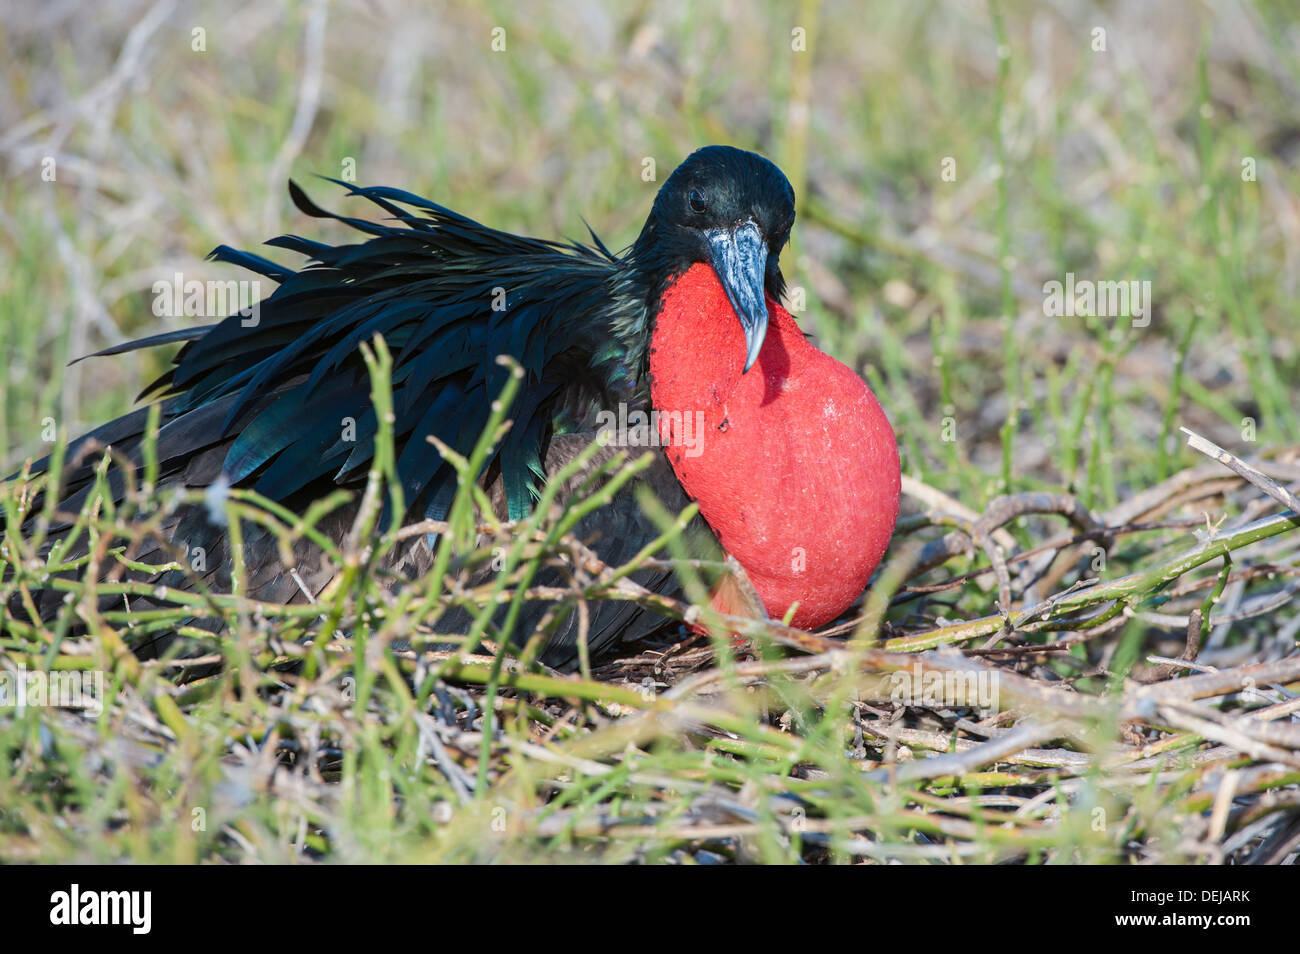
(739, 256)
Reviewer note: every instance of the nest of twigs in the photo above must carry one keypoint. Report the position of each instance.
(1130, 696)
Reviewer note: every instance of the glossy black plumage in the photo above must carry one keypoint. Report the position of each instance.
(278, 400)
(448, 295)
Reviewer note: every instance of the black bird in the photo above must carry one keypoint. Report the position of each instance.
(277, 399)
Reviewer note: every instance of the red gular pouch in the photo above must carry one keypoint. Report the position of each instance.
(793, 463)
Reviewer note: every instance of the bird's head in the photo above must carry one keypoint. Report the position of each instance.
(732, 210)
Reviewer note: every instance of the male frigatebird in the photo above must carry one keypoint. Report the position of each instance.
(795, 469)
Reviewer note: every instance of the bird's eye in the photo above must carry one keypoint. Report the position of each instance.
(696, 199)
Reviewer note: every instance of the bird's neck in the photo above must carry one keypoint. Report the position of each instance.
(794, 463)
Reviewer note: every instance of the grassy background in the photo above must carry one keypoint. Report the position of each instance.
(1114, 164)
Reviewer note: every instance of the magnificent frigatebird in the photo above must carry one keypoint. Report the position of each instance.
(789, 455)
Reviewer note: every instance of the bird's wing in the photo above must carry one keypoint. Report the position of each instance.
(449, 295)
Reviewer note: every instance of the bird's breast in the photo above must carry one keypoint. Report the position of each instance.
(794, 464)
